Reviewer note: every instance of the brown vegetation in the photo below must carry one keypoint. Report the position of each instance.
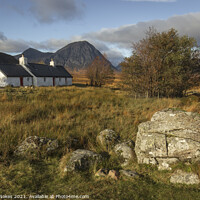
(162, 64)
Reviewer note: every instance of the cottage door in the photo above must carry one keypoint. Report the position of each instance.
(21, 81)
(53, 81)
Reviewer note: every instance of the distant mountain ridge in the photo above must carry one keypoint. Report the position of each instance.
(76, 55)
(35, 56)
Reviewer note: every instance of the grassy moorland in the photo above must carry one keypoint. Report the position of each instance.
(65, 113)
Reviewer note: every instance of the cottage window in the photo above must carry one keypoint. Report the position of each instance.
(65, 80)
(44, 79)
(27, 78)
(59, 79)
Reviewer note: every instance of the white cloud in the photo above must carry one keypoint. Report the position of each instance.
(124, 36)
(115, 42)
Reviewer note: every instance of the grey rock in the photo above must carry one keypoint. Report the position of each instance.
(82, 159)
(129, 173)
(35, 145)
(149, 146)
(184, 149)
(125, 150)
(171, 135)
(108, 138)
(164, 163)
(173, 123)
(184, 178)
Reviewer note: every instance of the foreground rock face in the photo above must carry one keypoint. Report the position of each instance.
(184, 178)
(81, 159)
(125, 150)
(34, 145)
(169, 137)
(108, 138)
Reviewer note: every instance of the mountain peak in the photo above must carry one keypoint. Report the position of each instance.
(76, 55)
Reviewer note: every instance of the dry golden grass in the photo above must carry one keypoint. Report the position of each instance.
(80, 113)
(79, 77)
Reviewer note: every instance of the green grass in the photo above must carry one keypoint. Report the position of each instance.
(65, 113)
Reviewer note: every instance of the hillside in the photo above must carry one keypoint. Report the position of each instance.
(36, 56)
(7, 59)
(76, 55)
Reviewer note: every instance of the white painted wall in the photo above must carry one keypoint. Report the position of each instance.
(14, 81)
(3, 80)
(60, 81)
(28, 81)
(48, 81)
(69, 81)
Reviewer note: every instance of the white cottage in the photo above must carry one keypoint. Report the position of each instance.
(15, 75)
(27, 74)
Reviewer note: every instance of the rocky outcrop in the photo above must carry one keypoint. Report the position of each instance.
(184, 178)
(35, 145)
(108, 139)
(170, 136)
(81, 159)
(125, 150)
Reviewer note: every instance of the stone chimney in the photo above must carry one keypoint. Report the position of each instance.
(52, 63)
(23, 60)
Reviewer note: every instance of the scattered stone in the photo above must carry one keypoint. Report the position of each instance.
(102, 173)
(125, 150)
(129, 173)
(171, 135)
(113, 174)
(164, 163)
(82, 159)
(35, 145)
(108, 138)
(184, 178)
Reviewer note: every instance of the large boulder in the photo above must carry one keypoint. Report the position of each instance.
(184, 178)
(125, 150)
(36, 146)
(107, 139)
(171, 136)
(82, 159)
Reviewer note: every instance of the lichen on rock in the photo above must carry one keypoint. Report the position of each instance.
(170, 136)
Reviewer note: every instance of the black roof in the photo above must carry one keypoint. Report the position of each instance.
(41, 70)
(13, 70)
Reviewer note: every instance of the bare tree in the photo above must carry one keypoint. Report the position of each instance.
(100, 72)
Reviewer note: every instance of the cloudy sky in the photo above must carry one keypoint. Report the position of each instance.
(110, 25)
